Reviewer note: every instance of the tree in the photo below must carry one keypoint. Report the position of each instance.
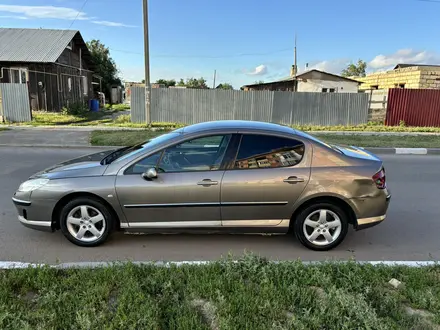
(104, 65)
(225, 86)
(143, 81)
(165, 82)
(181, 82)
(196, 83)
(355, 70)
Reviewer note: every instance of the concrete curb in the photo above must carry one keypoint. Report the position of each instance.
(368, 133)
(101, 264)
(403, 151)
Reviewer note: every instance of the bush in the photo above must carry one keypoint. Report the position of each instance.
(75, 109)
(123, 119)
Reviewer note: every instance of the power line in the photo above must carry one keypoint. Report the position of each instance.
(203, 56)
(77, 14)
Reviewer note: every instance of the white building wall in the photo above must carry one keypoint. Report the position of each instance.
(316, 85)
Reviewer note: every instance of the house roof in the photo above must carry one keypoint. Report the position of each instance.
(298, 77)
(35, 45)
(403, 65)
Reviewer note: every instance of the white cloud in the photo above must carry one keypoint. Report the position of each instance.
(410, 56)
(45, 12)
(260, 70)
(332, 66)
(52, 12)
(114, 24)
(13, 17)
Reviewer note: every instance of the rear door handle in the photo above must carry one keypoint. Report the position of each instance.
(207, 182)
(293, 180)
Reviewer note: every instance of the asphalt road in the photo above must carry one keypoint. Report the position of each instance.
(411, 232)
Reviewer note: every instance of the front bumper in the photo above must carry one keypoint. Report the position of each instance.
(33, 216)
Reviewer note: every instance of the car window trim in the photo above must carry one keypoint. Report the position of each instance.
(231, 166)
(221, 167)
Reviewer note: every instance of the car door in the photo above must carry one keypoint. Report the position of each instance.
(186, 191)
(267, 177)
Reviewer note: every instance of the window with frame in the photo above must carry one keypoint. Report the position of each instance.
(200, 154)
(265, 151)
(143, 165)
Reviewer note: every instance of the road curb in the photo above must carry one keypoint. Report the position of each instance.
(404, 151)
(102, 264)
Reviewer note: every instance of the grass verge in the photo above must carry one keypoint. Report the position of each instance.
(249, 294)
(124, 138)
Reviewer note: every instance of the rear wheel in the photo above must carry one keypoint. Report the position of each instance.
(321, 226)
(86, 222)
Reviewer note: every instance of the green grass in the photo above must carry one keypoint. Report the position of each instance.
(125, 138)
(117, 107)
(122, 138)
(249, 294)
(421, 141)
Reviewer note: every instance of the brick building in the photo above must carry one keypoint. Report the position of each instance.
(403, 76)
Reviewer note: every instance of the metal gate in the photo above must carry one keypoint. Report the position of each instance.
(14, 103)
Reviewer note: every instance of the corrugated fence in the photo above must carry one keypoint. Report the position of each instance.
(416, 107)
(14, 102)
(189, 106)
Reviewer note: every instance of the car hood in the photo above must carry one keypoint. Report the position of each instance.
(356, 152)
(88, 165)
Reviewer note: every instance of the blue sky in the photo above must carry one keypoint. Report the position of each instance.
(243, 40)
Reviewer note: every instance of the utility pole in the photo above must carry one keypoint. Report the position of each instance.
(295, 68)
(213, 84)
(147, 65)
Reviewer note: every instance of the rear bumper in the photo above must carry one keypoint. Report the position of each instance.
(364, 223)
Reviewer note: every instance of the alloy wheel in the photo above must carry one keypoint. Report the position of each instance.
(322, 227)
(86, 223)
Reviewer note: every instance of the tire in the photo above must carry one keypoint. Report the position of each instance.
(323, 234)
(92, 226)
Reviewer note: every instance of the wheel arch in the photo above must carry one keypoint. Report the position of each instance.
(337, 200)
(66, 199)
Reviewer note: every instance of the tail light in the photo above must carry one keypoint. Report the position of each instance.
(379, 179)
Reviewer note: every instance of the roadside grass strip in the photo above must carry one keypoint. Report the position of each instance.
(245, 293)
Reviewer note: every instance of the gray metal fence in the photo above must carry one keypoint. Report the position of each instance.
(14, 102)
(189, 106)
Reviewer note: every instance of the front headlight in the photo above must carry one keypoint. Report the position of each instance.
(33, 184)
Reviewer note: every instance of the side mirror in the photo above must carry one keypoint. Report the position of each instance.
(150, 174)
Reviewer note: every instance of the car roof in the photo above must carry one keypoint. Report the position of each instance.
(236, 124)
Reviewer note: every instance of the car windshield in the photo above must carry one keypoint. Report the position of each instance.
(127, 152)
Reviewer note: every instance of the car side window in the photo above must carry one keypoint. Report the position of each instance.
(200, 154)
(265, 151)
(144, 164)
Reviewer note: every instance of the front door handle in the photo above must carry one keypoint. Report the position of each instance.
(293, 180)
(207, 182)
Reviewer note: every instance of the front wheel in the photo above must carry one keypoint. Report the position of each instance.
(321, 226)
(86, 222)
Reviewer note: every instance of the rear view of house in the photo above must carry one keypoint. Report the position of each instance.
(55, 64)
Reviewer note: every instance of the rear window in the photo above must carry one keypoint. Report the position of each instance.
(315, 139)
(265, 151)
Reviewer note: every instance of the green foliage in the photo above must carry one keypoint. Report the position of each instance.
(196, 83)
(355, 70)
(104, 65)
(75, 109)
(165, 82)
(237, 293)
(402, 123)
(225, 86)
(123, 119)
(117, 107)
(181, 82)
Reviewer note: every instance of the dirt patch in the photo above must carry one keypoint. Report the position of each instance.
(208, 312)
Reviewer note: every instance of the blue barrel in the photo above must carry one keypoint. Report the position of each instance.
(94, 105)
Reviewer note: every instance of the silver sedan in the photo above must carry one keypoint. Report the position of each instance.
(224, 176)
